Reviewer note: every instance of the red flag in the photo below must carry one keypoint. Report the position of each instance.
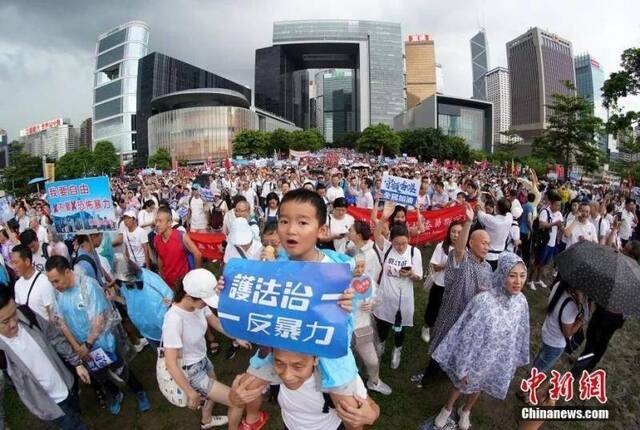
(227, 164)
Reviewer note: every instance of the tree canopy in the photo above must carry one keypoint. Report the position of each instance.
(251, 142)
(21, 169)
(379, 136)
(105, 158)
(76, 164)
(160, 160)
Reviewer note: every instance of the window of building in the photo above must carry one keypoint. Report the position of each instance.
(107, 128)
(109, 57)
(109, 91)
(107, 109)
(112, 40)
(107, 75)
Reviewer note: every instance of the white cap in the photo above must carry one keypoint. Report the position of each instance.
(201, 284)
(130, 213)
(240, 233)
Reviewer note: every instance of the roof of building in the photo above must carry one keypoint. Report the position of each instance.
(199, 97)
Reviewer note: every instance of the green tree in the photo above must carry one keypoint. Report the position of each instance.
(379, 136)
(572, 131)
(307, 140)
(346, 140)
(279, 140)
(251, 142)
(75, 164)
(160, 160)
(105, 158)
(21, 169)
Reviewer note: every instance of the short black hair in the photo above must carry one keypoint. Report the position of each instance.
(307, 196)
(237, 199)
(82, 238)
(28, 236)
(148, 203)
(363, 229)
(57, 262)
(320, 186)
(503, 206)
(5, 297)
(165, 210)
(398, 229)
(340, 202)
(23, 251)
(554, 197)
(531, 197)
(273, 196)
(270, 228)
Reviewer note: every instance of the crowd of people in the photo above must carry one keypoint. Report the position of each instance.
(78, 308)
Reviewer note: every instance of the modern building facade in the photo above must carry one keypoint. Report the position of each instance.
(4, 148)
(498, 93)
(467, 118)
(52, 138)
(420, 66)
(590, 78)
(200, 123)
(116, 76)
(334, 103)
(479, 64)
(539, 63)
(372, 49)
(159, 75)
(86, 129)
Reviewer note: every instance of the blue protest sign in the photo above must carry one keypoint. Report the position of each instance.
(290, 305)
(82, 205)
(399, 190)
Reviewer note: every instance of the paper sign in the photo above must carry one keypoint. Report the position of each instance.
(400, 190)
(290, 305)
(100, 359)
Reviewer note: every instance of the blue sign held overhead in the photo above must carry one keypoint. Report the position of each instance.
(400, 190)
(290, 305)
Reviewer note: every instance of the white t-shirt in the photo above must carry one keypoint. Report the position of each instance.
(551, 332)
(587, 231)
(34, 358)
(364, 200)
(440, 258)
(497, 226)
(302, 408)
(253, 253)
(145, 217)
(339, 226)
(227, 220)
(555, 216)
(198, 214)
(133, 242)
(42, 295)
(626, 225)
(185, 330)
(43, 236)
(333, 193)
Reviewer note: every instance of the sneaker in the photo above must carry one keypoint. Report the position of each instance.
(143, 402)
(141, 344)
(116, 403)
(426, 336)
(380, 387)
(232, 351)
(395, 357)
(380, 349)
(442, 419)
(215, 421)
(264, 417)
(542, 284)
(532, 286)
(464, 422)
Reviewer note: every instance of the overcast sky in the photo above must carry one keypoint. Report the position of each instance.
(47, 47)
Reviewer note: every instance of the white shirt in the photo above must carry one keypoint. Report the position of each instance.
(364, 200)
(585, 230)
(198, 215)
(145, 217)
(302, 408)
(251, 196)
(555, 216)
(514, 234)
(440, 258)
(551, 332)
(626, 225)
(42, 295)
(497, 226)
(253, 253)
(602, 226)
(423, 202)
(43, 236)
(339, 226)
(133, 243)
(185, 330)
(227, 220)
(333, 193)
(34, 359)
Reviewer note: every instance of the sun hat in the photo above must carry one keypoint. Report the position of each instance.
(201, 284)
(240, 233)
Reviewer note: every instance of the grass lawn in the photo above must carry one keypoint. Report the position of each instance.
(405, 409)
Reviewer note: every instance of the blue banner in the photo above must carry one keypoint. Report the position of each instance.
(81, 206)
(399, 190)
(290, 305)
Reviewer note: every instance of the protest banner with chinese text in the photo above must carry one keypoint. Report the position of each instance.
(290, 305)
(400, 190)
(82, 206)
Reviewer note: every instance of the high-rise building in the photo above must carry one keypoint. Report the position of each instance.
(116, 74)
(479, 64)
(159, 75)
(498, 93)
(52, 138)
(85, 134)
(539, 63)
(4, 148)
(420, 63)
(372, 49)
(440, 79)
(590, 78)
(334, 102)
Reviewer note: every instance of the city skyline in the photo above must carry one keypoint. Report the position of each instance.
(49, 73)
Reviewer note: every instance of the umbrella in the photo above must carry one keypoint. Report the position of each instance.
(605, 275)
(37, 180)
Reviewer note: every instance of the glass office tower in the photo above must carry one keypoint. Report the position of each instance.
(590, 78)
(114, 97)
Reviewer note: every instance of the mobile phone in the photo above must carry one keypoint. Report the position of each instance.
(406, 268)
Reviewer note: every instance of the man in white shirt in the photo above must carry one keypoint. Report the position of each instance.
(440, 198)
(364, 199)
(581, 229)
(550, 219)
(628, 221)
(334, 191)
(41, 231)
(249, 194)
(33, 288)
(599, 221)
(29, 238)
(498, 227)
(135, 240)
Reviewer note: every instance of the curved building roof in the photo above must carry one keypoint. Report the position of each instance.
(199, 97)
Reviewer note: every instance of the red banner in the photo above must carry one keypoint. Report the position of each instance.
(436, 222)
(209, 244)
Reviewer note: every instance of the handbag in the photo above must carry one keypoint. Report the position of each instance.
(168, 386)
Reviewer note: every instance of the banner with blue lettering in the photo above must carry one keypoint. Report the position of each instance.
(290, 305)
(82, 206)
(400, 190)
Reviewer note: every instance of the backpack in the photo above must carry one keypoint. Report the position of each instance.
(88, 259)
(541, 235)
(217, 218)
